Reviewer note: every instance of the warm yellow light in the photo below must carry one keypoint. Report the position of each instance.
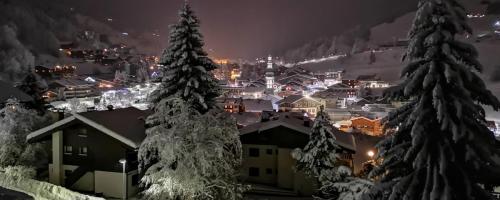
(371, 153)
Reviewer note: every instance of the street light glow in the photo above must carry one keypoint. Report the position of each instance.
(371, 153)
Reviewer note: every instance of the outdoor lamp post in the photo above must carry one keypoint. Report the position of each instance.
(124, 163)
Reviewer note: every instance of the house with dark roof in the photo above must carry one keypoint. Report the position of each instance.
(336, 95)
(240, 105)
(95, 152)
(267, 148)
(299, 103)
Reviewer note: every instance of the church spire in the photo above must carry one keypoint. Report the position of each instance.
(270, 74)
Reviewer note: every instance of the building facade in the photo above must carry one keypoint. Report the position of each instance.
(267, 148)
(372, 127)
(95, 152)
(298, 103)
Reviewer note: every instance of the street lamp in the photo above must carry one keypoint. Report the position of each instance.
(371, 154)
(124, 163)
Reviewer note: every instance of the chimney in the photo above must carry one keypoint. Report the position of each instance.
(306, 120)
(60, 114)
(266, 116)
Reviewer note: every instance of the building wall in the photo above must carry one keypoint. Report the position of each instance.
(103, 154)
(109, 183)
(103, 151)
(267, 160)
(281, 165)
(285, 169)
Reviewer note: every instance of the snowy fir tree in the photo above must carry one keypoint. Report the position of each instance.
(342, 185)
(441, 148)
(197, 156)
(192, 149)
(186, 69)
(319, 156)
(16, 123)
(34, 86)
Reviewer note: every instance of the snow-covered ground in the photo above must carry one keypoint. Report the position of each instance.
(40, 190)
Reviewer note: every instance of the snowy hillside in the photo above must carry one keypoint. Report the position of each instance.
(388, 61)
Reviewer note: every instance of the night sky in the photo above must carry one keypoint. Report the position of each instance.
(249, 28)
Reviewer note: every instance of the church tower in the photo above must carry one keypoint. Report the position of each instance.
(270, 74)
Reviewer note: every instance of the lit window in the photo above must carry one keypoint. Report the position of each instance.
(82, 151)
(68, 149)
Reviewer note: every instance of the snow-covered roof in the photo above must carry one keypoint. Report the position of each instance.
(258, 105)
(292, 121)
(295, 98)
(254, 89)
(111, 123)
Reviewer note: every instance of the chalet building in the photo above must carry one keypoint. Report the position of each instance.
(338, 114)
(232, 105)
(240, 105)
(299, 103)
(267, 147)
(371, 81)
(367, 126)
(253, 92)
(86, 150)
(72, 88)
(336, 95)
(331, 77)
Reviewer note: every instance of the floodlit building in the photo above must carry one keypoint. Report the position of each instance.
(72, 88)
(299, 103)
(367, 126)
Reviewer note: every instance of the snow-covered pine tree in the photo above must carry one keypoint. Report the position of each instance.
(197, 156)
(187, 70)
(192, 149)
(16, 122)
(441, 148)
(343, 186)
(35, 86)
(319, 156)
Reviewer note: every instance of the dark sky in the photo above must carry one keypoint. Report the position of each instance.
(249, 28)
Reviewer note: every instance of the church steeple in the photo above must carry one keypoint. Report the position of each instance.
(270, 74)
